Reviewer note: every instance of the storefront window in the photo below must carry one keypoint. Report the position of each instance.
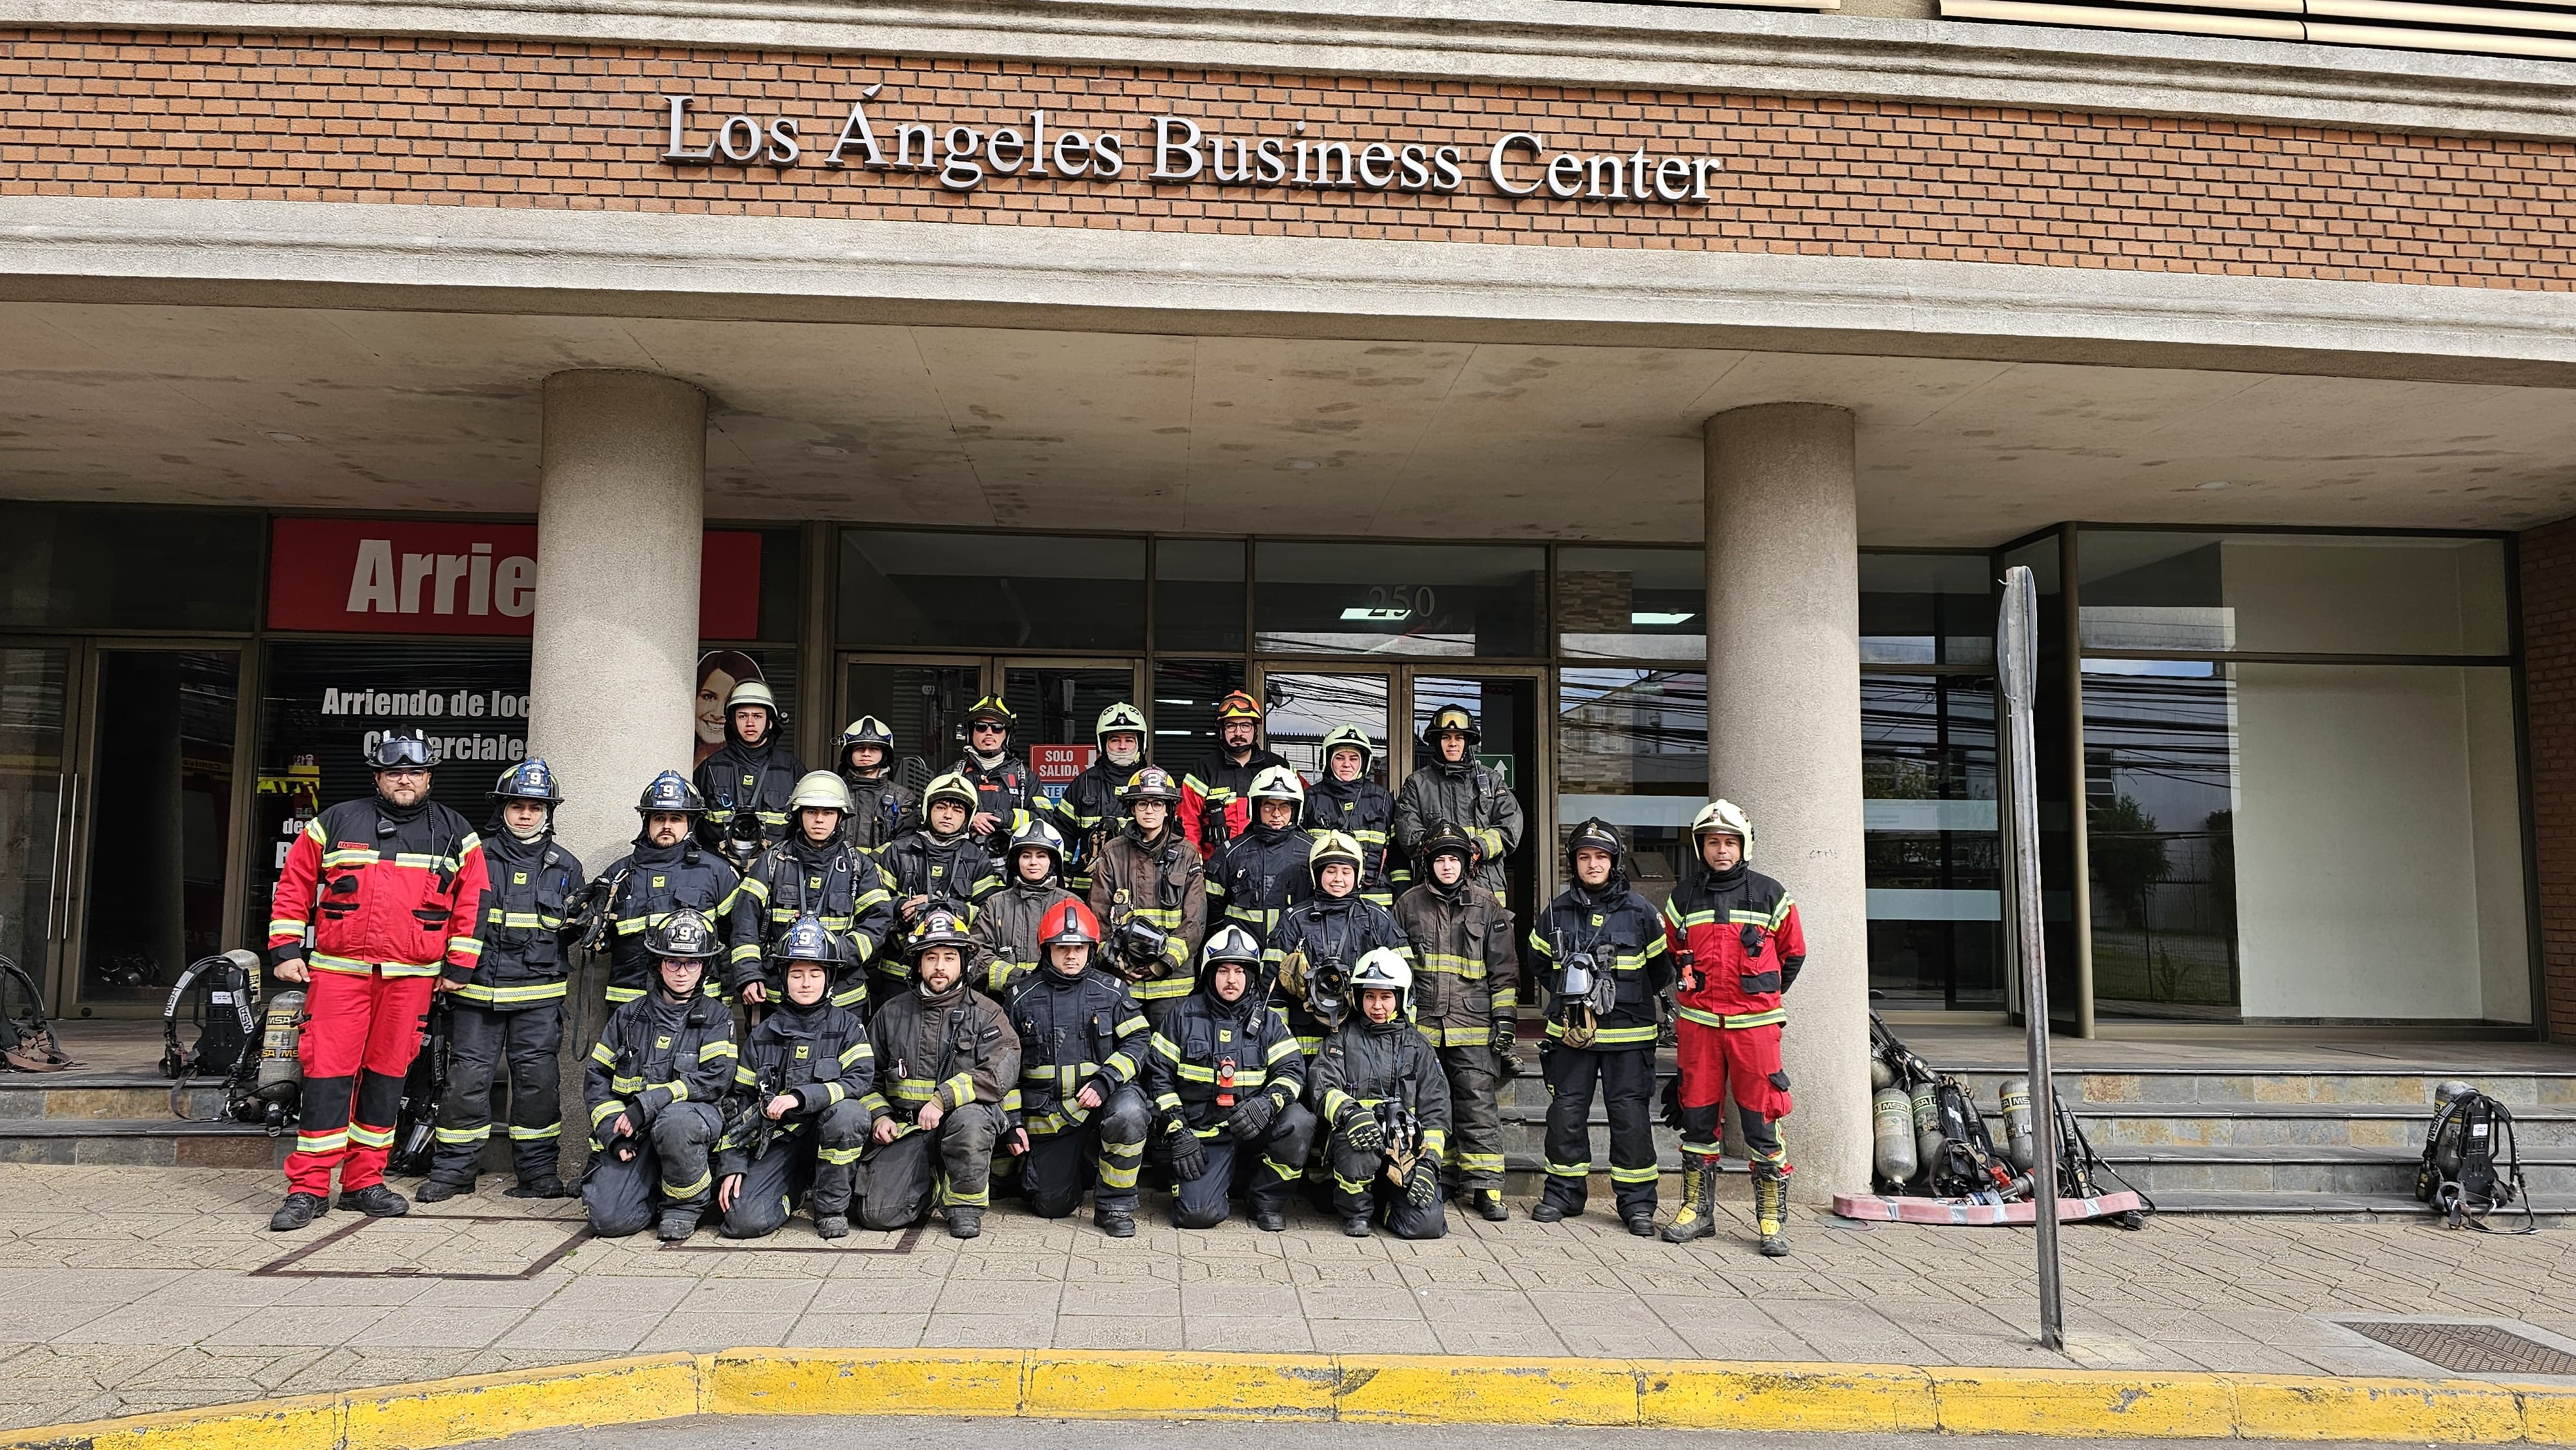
(92, 568)
(1927, 609)
(1186, 693)
(162, 821)
(2292, 593)
(2160, 797)
(990, 591)
(1461, 600)
(1934, 854)
(1635, 604)
(1198, 595)
(1632, 749)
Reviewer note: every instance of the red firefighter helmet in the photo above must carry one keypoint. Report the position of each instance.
(1067, 923)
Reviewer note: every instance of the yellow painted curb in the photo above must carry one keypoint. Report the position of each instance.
(1381, 1389)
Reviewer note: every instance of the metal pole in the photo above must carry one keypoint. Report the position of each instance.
(2017, 652)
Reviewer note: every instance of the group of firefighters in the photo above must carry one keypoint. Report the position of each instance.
(1261, 985)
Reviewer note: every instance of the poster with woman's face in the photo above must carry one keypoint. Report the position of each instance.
(719, 670)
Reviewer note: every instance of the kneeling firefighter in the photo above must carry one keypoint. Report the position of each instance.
(1379, 1086)
(656, 1078)
(947, 1062)
(1226, 1076)
(512, 1004)
(1735, 935)
(799, 1113)
(1083, 1045)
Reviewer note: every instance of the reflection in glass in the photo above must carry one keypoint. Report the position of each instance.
(1398, 599)
(2293, 593)
(1638, 604)
(1183, 710)
(1506, 711)
(1927, 609)
(1934, 855)
(2160, 790)
(34, 780)
(990, 591)
(1632, 749)
(1198, 595)
(1303, 708)
(160, 817)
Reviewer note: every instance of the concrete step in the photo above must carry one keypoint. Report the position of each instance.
(2371, 1206)
(102, 1095)
(150, 1142)
(2161, 1088)
(2309, 1171)
(2295, 1126)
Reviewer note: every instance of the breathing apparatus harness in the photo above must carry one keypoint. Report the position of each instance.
(262, 1067)
(2472, 1166)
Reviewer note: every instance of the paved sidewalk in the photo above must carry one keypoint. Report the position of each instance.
(148, 1289)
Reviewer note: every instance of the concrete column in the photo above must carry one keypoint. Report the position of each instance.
(620, 509)
(1784, 741)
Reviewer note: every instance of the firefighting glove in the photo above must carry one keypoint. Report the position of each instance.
(1360, 1129)
(1252, 1117)
(1422, 1185)
(1189, 1155)
(1507, 1061)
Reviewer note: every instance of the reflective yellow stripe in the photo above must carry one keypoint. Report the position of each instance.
(534, 992)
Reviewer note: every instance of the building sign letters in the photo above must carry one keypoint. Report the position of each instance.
(1174, 150)
(400, 576)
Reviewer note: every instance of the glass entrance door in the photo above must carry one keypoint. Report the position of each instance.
(37, 786)
(1301, 707)
(923, 701)
(1506, 707)
(1058, 701)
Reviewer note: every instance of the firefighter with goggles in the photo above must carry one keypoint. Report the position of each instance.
(1599, 950)
(1216, 794)
(1149, 889)
(1083, 1048)
(1379, 1087)
(1452, 787)
(798, 1116)
(1226, 1077)
(1735, 934)
(510, 1008)
(656, 1082)
(379, 902)
(946, 1063)
(815, 874)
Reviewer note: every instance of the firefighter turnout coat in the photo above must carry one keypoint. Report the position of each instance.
(383, 890)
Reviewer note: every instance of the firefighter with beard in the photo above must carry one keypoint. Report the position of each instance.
(1379, 1086)
(1216, 797)
(1736, 934)
(802, 1082)
(1465, 994)
(1006, 924)
(656, 1081)
(937, 864)
(511, 1006)
(1319, 941)
(880, 805)
(1346, 800)
(813, 873)
(1006, 790)
(1599, 950)
(747, 781)
(667, 870)
(1150, 890)
(1453, 787)
(390, 891)
(1263, 871)
(1226, 1076)
(1091, 811)
(946, 1063)
(1083, 1045)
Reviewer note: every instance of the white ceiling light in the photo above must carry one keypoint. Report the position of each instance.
(1649, 616)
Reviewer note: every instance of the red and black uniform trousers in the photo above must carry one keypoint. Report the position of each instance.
(510, 1009)
(1741, 935)
(376, 900)
(1611, 932)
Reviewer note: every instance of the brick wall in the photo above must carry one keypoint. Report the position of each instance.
(2549, 673)
(466, 122)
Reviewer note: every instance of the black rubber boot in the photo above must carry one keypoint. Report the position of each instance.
(1490, 1206)
(1546, 1212)
(965, 1223)
(546, 1187)
(1270, 1220)
(676, 1225)
(298, 1211)
(1641, 1224)
(832, 1226)
(375, 1201)
(433, 1190)
(1356, 1225)
(1118, 1223)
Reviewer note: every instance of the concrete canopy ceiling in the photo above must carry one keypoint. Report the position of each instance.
(1215, 435)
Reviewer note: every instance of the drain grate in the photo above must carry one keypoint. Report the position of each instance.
(2469, 1348)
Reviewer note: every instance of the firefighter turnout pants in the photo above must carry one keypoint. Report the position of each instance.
(953, 1162)
(363, 1032)
(1360, 1190)
(1060, 1160)
(1744, 1062)
(669, 1171)
(1625, 1079)
(822, 1155)
(1269, 1169)
(1475, 1147)
(481, 1039)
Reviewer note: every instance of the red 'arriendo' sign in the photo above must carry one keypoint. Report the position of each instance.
(377, 576)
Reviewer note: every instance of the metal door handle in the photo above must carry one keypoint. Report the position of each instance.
(71, 856)
(54, 860)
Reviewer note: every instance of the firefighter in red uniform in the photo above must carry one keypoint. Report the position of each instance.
(1216, 802)
(389, 891)
(1735, 935)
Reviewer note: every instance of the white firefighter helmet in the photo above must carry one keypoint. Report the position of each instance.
(1119, 719)
(1724, 817)
(1385, 969)
(1278, 783)
(820, 790)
